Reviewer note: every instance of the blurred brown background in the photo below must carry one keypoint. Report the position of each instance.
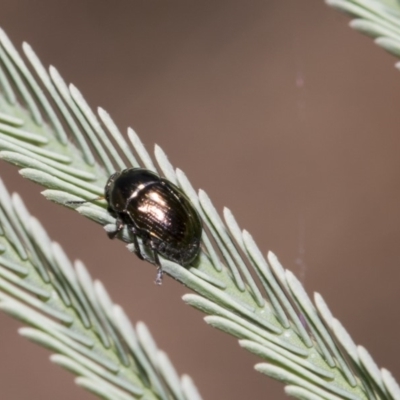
(312, 173)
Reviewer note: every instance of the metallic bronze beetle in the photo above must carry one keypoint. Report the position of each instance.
(158, 212)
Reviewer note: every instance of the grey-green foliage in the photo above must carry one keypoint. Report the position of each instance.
(74, 316)
(242, 293)
(379, 19)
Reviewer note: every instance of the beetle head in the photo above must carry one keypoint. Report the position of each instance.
(109, 185)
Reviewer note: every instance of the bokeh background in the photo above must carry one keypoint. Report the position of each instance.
(280, 112)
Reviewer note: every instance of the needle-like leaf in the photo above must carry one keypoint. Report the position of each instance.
(74, 317)
(379, 19)
(243, 293)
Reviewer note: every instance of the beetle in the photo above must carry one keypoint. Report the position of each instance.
(156, 211)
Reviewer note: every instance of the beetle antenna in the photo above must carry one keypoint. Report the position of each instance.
(84, 201)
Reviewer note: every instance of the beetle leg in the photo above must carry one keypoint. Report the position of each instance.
(157, 262)
(137, 248)
(146, 238)
(135, 233)
(119, 223)
(160, 271)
